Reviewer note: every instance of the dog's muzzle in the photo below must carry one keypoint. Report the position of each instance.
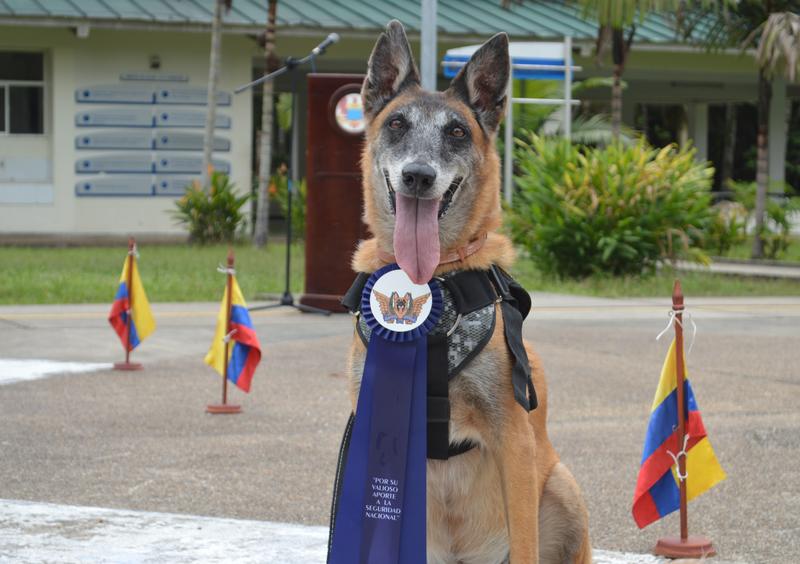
(444, 205)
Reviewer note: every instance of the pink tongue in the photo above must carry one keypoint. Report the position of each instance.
(416, 237)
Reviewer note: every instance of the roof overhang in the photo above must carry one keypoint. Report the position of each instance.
(313, 32)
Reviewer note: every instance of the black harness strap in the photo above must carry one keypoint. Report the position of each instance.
(352, 299)
(344, 448)
(471, 290)
(474, 289)
(514, 312)
(438, 399)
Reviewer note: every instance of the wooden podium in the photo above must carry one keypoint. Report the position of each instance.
(333, 175)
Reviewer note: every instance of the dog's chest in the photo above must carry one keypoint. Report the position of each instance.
(465, 520)
(466, 524)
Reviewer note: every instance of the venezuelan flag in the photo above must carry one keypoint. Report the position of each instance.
(142, 322)
(244, 350)
(657, 491)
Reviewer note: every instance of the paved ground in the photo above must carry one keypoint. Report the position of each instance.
(142, 441)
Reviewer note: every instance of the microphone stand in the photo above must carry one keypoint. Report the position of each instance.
(290, 64)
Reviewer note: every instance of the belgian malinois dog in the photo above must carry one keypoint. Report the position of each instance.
(431, 183)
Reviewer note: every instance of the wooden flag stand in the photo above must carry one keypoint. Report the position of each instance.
(128, 365)
(684, 546)
(225, 407)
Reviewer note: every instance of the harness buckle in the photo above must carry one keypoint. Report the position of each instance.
(500, 286)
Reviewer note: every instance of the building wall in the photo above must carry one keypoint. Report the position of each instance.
(52, 206)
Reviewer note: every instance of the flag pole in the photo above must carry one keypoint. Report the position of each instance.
(225, 407)
(684, 546)
(128, 365)
(229, 282)
(680, 375)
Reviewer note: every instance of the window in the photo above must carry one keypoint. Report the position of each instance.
(21, 92)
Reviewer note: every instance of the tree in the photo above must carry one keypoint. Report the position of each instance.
(778, 47)
(729, 144)
(773, 28)
(613, 17)
(617, 28)
(213, 80)
(265, 145)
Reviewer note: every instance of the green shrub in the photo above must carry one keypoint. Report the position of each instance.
(213, 215)
(727, 227)
(618, 210)
(776, 233)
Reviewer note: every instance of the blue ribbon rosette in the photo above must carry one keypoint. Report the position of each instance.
(381, 517)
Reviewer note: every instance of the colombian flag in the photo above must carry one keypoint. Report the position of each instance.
(244, 350)
(657, 491)
(142, 322)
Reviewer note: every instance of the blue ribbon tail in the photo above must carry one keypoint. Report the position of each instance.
(413, 546)
(382, 513)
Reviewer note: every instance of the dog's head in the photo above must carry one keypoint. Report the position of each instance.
(431, 172)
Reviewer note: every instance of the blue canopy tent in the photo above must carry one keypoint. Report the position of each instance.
(529, 61)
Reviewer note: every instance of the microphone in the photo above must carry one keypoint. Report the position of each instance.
(330, 40)
(292, 63)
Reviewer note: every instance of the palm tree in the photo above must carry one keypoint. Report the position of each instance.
(265, 146)
(773, 27)
(617, 28)
(778, 47)
(213, 80)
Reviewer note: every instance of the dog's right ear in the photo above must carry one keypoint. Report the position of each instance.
(390, 69)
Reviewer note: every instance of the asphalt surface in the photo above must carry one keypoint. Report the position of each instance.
(143, 441)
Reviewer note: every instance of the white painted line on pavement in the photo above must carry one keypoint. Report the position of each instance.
(33, 532)
(22, 370)
(610, 557)
(43, 532)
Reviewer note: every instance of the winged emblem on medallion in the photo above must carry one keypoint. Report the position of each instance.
(401, 309)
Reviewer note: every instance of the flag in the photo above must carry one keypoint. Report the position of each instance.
(244, 350)
(657, 490)
(142, 322)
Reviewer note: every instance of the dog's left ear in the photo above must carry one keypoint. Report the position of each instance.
(390, 69)
(482, 83)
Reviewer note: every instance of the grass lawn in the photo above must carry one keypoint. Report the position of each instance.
(742, 251)
(694, 284)
(170, 273)
(174, 273)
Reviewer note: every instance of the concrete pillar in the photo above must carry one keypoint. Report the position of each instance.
(778, 125)
(698, 129)
(428, 56)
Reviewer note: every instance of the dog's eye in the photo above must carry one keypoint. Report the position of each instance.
(396, 124)
(458, 132)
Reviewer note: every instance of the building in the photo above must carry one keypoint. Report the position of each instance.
(102, 102)
(103, 124)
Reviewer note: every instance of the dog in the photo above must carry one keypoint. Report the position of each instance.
(431, 185)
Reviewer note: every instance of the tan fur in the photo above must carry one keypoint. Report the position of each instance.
(511, 497)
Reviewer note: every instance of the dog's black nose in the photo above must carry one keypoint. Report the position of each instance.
(418, 178)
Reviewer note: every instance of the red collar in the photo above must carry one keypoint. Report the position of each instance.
(461, 253)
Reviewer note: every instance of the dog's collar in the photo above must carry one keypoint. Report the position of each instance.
(447, 257)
